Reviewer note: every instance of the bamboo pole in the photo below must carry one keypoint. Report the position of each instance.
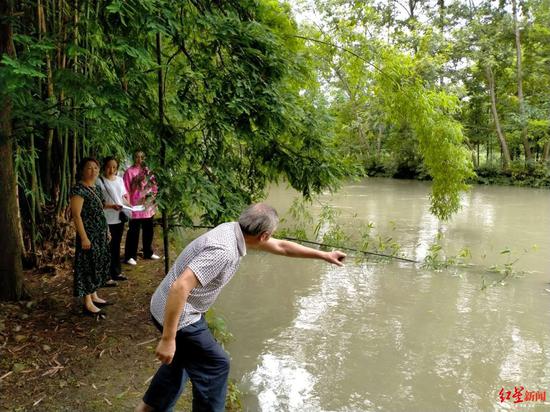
(160, 78)
(49, 94)
(35, 198)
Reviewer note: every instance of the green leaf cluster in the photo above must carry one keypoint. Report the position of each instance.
(220, 95)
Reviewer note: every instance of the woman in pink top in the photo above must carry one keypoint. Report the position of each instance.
(141, 187)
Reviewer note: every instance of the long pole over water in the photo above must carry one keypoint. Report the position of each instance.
(310, 242)
(350, 249)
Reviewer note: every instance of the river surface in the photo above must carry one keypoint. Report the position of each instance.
(394, 336)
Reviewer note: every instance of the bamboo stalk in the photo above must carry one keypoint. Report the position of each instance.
(160, 79)
(76, 67)
(34, 200)
(64, 177)
(50, 96)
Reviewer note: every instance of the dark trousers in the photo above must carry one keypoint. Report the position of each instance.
(132, 238)
(200, 358)
(116, 231)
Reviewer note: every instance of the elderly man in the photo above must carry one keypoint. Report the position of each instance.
(187, 349)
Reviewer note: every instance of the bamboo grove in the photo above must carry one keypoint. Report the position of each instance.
(214, 92)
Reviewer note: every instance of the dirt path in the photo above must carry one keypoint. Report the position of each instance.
(54, 359)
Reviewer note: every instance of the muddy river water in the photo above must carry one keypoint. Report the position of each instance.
(395, 336)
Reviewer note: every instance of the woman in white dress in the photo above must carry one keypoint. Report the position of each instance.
(114, 193)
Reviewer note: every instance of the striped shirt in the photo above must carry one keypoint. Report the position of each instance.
(214, 258)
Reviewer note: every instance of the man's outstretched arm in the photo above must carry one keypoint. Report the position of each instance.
(291, 249)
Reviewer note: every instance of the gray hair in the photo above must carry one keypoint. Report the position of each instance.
(258, 218)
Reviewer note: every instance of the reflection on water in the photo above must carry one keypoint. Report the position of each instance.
(427, 232)
(393, 336)
(283, 383)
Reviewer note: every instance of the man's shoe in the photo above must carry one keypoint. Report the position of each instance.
(120, 277)
(99, 315)
(131, 261)
(154, 257)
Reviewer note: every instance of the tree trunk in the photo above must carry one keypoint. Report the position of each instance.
(50, 97)
(546, 152)
(379, 142)
(164, 218)
(11, 269)
(475, 158)
(521, 100)
(64, 177)
(35, 205)
(503, 145)
(18, 205)
(76, 68)
(362, 138)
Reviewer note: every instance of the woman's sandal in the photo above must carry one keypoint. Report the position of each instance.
(103, 304)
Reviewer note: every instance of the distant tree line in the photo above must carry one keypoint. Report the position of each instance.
(489, 58)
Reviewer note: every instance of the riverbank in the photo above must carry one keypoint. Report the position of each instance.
(54, 359)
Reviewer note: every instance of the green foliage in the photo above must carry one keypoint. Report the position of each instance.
(437, 259)
(433, 260)
(505, 270)
(519, 174)
(242, 107)
(328, 230)
(238, 121)
(429, 114)
(410, 96)
(233, 401)
(299, 222)
(365, 238)
(218, 327)
(392, 113)
(364, 242)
